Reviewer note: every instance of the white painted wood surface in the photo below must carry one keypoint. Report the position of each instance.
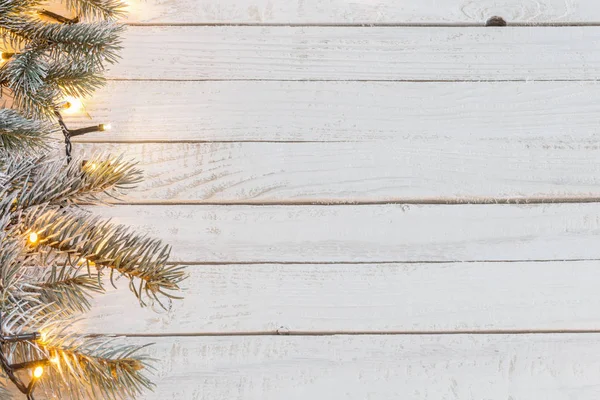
(408, 169)
(456, 367)
(304, 298)
(360, 11)
(320, 109)
(369, 233)
(359, 53)
(482, 112)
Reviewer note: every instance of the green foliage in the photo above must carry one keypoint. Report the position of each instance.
(46, 284)
(54, 254)
(52, 60)
(20, 133)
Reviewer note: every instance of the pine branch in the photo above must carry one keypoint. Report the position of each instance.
(74, 79)
(25, 75)
(95, 368)
(80, 366)
(18, 133)
(115, 247)
(68, 288)
(97, 42)
(11, 6)
(44, 179)
(98, 9)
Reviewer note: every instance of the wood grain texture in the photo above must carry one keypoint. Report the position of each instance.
(365, 298)
(488, 112)
(455, 367)
(378, 233)
(434, 169)
(361, 11)
(364, 53)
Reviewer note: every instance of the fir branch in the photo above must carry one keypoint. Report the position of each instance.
(44, 179)
(98, 9)
(68, 288)
(115, 247)
(95, 368)
(15, 7)
(20, 133)
(25, 75)
(25, 71)
(80, 366)
(97, 42)
(74, 78)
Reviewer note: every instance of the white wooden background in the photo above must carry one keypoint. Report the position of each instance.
(378, 199)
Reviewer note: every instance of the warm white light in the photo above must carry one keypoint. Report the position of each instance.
(43, 337)
(72, 105)
(38, 372)
(33, 238)
(104, 127)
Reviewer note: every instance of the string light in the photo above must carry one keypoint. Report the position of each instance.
(5, 56)
(89, 129)
(33, 238)
(71, 105)
(42, 337)
(38, 372)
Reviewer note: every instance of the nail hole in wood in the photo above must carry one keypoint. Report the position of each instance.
(495, 21)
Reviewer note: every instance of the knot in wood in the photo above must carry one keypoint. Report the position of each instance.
(495, 21)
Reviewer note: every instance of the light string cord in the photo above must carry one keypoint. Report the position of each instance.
(10, 369)
(67, 134)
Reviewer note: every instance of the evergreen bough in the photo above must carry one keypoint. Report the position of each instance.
(54, 254)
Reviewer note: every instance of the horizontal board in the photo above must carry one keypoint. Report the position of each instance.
(365, 53)
(433, 169)
(376, 233)
(490, 112)
(365, 298)
(553, 367)
(362, 11)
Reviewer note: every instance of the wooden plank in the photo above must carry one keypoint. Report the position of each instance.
(434, 169)
(497, 367)
(452, 297)
(363, 53)
(377, 233)
(371, 11)
(345, 111)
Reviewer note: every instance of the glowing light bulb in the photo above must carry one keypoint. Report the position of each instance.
(38, 372)
(72, 105)
(104, 127)
(55, 360)
(33, 237)
(92, 166)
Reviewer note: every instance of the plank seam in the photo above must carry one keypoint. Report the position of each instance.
(408, 201)
(117, 79)
(371, 262)
(285, 332)
(556, 24)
